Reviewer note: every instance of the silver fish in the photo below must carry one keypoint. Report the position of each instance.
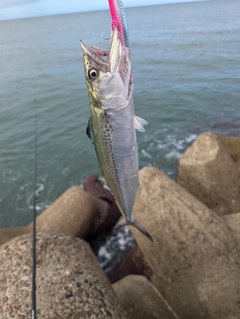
(112, 122)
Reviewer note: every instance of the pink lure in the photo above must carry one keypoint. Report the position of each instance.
(119, 20)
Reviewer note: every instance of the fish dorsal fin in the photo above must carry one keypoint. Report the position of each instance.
(89, 131)
(138, 123)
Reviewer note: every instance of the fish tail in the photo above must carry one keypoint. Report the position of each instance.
(133, 222)
(142, 229)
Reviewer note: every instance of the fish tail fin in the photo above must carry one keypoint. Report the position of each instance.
(142, 229)
(123, 222)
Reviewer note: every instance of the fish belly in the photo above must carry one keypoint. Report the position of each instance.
(116, 148)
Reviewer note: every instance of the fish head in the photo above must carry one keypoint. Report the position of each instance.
(108, 74)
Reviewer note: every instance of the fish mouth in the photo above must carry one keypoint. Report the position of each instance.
(110, 59)
(96, 54)
(115, 60)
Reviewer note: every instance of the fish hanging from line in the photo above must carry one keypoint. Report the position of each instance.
(112, 123)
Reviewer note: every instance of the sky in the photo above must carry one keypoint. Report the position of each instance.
(16, 9)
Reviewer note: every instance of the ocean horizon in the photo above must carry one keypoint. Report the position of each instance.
(103, 8)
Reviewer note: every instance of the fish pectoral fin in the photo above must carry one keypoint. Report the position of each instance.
(138, 123)
(101, 179)
(89, 131)
(123, 222)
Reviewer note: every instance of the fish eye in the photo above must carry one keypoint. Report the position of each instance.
(93, 74)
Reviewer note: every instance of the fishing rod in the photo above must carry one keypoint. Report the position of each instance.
(34, 312)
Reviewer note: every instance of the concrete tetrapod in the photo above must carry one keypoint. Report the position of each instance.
(233, 221)
(190, 243)
(72, 213)
(141, 300)
(232, 146)
(70, 281)
(209, 173)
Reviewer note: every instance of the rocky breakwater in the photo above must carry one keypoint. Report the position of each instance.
(193, 265)
(141, 299)
(209, 170)
(72, 214)
(70, 283)
(195, 257)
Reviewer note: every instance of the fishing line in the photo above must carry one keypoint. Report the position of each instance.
(34, 240)
(34, 314)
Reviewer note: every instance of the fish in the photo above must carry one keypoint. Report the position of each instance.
(112, 125)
